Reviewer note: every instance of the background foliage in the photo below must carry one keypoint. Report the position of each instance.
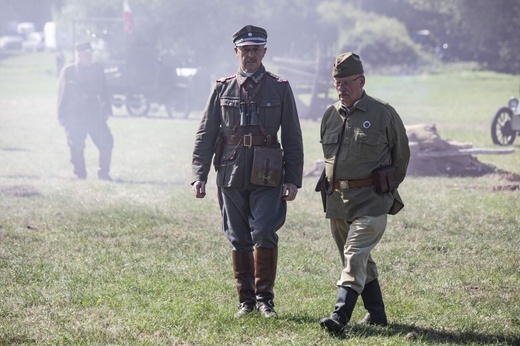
(396, 32)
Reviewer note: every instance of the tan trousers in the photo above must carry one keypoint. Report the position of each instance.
(355, 240)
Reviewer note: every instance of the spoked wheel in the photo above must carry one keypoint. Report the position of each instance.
(177, 105)
(502, 131)
(137, 105)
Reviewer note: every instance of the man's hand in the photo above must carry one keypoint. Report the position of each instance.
(289, 191)
(199, 188)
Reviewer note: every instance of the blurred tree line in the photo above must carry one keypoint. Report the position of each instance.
(407, 34)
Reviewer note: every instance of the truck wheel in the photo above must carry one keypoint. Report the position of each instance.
(502, 131)
(137, 105)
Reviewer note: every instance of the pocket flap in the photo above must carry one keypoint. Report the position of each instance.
(330, 138)
(227, 102)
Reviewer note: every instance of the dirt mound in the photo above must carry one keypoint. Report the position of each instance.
(432, 156)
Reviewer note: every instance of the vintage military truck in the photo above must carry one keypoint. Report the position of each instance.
(146, 83)
(140, 78)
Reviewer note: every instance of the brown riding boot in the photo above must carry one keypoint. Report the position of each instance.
(265, 274)
(244, 271)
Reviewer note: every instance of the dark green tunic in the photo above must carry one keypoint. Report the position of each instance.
(374, 137)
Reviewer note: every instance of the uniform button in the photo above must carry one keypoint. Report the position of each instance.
(268, 104)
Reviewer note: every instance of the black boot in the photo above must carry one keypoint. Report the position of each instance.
(265, 274)
(373, 301)
(345, 303)
(105, 158)
(77, 159)
(244, 271)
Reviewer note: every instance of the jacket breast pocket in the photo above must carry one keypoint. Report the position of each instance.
(367, 144)
(329, 143)
(270, 112)
(230, 110)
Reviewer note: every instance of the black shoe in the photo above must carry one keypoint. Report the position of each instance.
(333, 324)
(266, 309)
(104, 176)
(373, 301)
(244, 310)
(345, 303)
(81, 174)
(368, 320)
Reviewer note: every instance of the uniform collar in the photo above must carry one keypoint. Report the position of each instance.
(360, 104)
(255, 77)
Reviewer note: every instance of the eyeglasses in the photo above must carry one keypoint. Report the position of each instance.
(253, 49)
(339, 84)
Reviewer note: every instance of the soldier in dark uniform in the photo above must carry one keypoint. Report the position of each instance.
(366, 156)
(240, 129)
(83, 109)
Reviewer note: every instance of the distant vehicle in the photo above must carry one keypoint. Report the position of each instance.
(145, 82)
(11, 42)
(506, 123)
(34, 42)
(139, 77)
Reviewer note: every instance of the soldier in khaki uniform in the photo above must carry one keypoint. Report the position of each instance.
(366, 156)
(83, 109)
(255, 177)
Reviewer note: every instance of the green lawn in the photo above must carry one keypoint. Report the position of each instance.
(140, 261)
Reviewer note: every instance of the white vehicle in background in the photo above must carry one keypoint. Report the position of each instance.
(24, 38)
(33, 42)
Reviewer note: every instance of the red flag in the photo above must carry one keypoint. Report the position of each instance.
(128, 18)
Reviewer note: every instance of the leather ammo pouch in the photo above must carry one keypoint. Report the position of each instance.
(322, 186)
(267, 166)
(384, 179)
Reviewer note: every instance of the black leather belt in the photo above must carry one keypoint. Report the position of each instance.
(353, 184)
(248, 140)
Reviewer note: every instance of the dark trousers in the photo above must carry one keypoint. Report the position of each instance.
(252, 217)
(97, 129)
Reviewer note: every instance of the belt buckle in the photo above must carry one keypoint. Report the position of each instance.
(343, 184)
(248, 140)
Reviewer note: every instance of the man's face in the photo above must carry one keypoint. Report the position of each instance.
(84, 57)
(349, 89)
(250, 57)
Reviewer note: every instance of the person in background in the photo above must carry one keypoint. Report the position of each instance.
(83, 109)
(366, 154)
(255, 177)
(60, 61)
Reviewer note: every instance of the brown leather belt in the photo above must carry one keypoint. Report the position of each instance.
(352, 184)
(248, 140)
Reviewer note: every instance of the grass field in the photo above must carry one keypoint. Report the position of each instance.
(140, 261)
